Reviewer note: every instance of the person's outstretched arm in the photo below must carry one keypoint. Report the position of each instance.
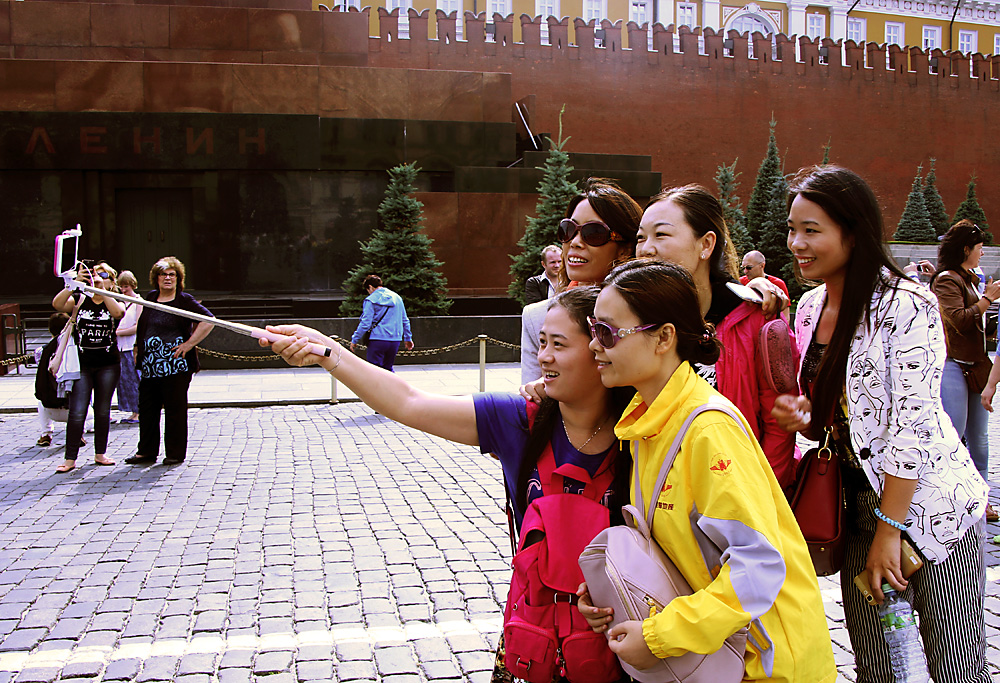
(450, 417)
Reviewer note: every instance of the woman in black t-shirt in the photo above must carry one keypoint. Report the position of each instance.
(94, 336)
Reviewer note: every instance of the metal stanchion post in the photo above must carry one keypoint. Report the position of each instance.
(482, 362)
(333, 390)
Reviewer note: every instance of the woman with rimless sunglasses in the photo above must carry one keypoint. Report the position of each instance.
(648, 332)
(598, 232)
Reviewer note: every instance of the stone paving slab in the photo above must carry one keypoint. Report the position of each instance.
(297, 543)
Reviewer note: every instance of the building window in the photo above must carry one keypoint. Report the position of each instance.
(894, 33)
(687, 14)
(996, 43)
(404, 17)
(594, 9)
(546, 9)
(351, 3)
(932, 37)
(967, 41)
(816, 26)
(456, 7)
(856, 29)
(639, 11)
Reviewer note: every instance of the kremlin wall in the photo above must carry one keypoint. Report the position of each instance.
(251, 138)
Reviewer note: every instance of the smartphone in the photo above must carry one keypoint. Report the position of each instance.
(909, 563)
(745, 293)
(67, 251)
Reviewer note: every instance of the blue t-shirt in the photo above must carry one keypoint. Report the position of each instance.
(502, 422)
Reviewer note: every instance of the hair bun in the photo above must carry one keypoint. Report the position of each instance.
(708, 346)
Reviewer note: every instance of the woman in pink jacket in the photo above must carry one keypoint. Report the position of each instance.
(685, 225)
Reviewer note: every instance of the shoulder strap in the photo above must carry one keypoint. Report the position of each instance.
(385, 312)
(671, 455)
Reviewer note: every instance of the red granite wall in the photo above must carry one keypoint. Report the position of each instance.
(689, 111)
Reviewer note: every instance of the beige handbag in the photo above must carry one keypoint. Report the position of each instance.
(626, 569)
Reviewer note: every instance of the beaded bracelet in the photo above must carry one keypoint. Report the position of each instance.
(891, 522)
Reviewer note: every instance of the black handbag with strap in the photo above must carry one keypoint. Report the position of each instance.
(366, 337)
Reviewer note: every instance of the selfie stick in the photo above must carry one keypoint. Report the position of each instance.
(239, 328)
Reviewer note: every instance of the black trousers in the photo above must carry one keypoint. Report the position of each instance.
(169, 395)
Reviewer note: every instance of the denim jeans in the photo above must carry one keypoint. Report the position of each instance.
(382, 353)
(967, 414)
(101, 382)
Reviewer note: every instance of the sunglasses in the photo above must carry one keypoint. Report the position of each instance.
(103, 275)
(608, 335)
(594, 233)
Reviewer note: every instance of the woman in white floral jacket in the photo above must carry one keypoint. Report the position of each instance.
(876, 346)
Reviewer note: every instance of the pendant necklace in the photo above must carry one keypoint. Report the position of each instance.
(599, 428)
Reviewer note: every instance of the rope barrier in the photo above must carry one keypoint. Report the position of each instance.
(259, 358)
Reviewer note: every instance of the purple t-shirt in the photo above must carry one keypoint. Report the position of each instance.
(502, 422)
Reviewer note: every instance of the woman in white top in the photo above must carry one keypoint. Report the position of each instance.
(869, 335)
(128, 383)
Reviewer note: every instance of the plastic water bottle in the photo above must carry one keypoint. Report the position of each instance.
(906, 651)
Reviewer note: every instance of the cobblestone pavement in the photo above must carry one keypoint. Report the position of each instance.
(297, 543)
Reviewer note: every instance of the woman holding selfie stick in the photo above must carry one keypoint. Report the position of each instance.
(873, 346)
(94, 335)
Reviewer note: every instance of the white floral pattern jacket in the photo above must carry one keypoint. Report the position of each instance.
(897, 424)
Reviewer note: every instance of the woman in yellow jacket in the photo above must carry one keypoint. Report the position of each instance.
(721, 516)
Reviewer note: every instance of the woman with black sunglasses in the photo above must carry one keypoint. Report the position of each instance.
(94, 335)
(598, 233)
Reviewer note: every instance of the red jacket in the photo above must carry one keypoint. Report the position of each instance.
(739, 333)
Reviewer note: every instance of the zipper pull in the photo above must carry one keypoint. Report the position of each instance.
(652, 606)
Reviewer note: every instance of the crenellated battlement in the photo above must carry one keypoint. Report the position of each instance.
(280, 32)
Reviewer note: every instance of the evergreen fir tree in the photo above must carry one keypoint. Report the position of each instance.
(732, 213)
(555, 192)
(773, 242)
(915, 223)
(934, 203)
(769, 171)
(970, 209)
(826, 154)
(399, 253)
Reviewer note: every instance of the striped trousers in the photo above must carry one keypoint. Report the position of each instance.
(947, 596)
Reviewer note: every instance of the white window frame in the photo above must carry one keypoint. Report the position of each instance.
(501, 7)
(595, 9)
(541, 9)
(636, 16)
(857, 29)
(816, 25)
(449, 6)
(404, 16)
(351, 3)
(996, 43)
(968, 41)
(930, 37)
(685, 10)
(899, 29)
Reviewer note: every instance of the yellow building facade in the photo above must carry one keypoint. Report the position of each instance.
(965, 26)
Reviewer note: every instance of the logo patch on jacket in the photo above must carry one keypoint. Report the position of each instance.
(722, 466)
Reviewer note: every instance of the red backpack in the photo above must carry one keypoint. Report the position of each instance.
(544, 633)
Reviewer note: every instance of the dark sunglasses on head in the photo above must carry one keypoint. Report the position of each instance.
(608, 335)
(594, 233)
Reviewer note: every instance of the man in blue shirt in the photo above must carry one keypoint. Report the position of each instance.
(384, 316)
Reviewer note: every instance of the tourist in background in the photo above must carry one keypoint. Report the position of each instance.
(128, 383)
(384, 319)
(544, 285)
(167, 359)
(967, 366)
